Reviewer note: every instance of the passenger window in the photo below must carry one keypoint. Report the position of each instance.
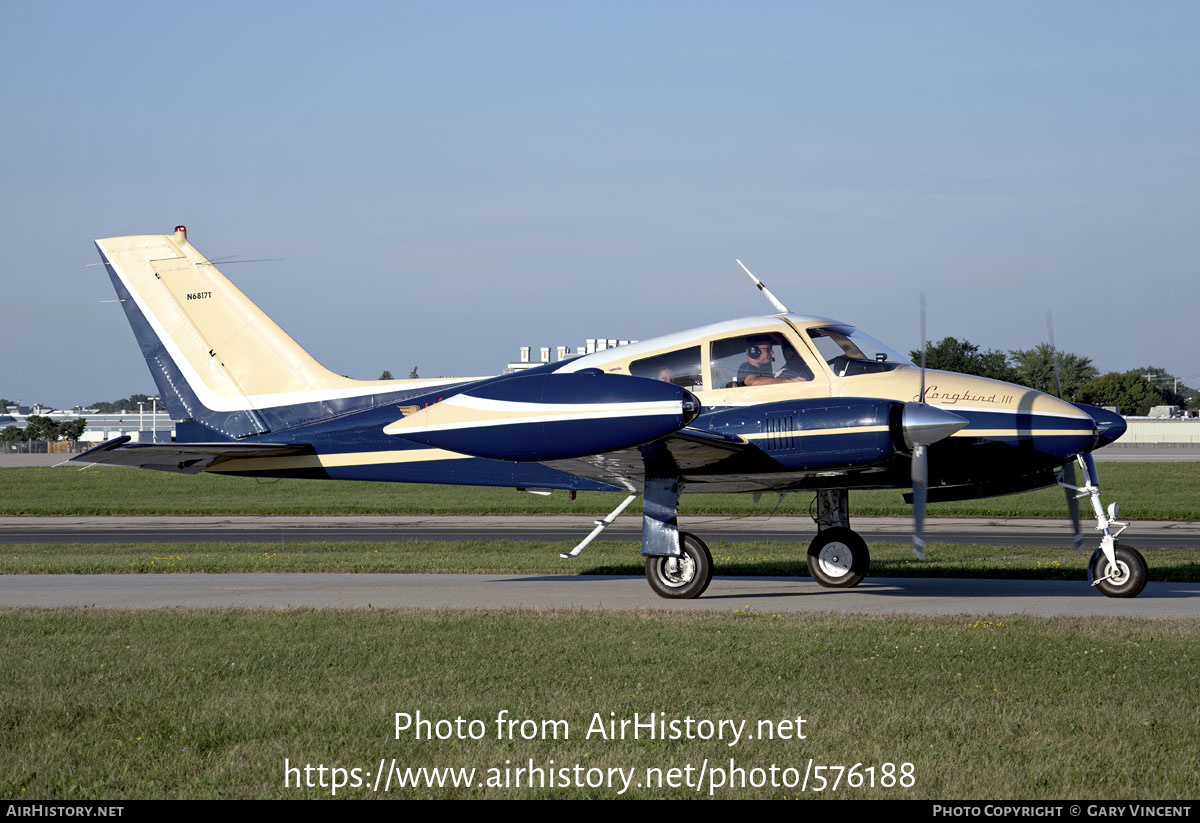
(680, 367)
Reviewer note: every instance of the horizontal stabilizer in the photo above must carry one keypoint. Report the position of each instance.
(184, 458)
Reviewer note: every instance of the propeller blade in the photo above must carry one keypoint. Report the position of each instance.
(1068, 469)
(924, 345)
(1068, 474)
(932, 431)
(920, 490)
(1054, 355)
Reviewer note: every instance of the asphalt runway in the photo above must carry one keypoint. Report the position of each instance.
(559, 528)
(927, 596)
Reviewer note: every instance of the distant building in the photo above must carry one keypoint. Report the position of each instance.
(592, 344)
(142, 427)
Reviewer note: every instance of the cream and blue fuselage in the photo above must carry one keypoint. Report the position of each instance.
(671, 405)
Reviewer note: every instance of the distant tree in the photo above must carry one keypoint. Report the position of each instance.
(1035, 369)
(124, 404)
(74, 429)
(5, 403)
(11, 433)
(1130, 391)
(387, 375)
(1166, 383)
(41, 428)
(966, 358)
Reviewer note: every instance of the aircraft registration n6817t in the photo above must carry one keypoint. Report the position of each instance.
(776, 403)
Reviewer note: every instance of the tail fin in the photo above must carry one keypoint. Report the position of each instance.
(216, 357)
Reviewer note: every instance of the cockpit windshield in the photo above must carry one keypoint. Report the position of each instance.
(850, 352)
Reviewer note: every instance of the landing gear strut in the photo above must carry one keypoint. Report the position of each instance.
(1116, 570)
(837, 557)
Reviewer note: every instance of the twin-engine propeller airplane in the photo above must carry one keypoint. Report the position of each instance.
(762, 404)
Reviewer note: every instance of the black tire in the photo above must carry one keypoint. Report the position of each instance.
(688, 576)
(1131, 573)
(838, 558)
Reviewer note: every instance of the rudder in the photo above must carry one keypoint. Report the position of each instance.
(215, 356)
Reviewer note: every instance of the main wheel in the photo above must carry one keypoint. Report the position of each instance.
(1130, 576)
(682, 577)
(838, 558)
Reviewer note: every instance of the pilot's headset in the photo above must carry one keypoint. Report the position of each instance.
(754, 350)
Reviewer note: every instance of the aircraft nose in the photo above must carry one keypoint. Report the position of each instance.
(1109, 425)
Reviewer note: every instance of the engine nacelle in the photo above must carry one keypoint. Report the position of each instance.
(551, 416)
(821, 433)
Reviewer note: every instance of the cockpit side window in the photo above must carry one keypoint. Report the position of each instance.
(681, 367)
(756, 359)
(849, 352)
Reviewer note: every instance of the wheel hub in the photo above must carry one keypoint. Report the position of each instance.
(835, 559)
(678, 571)
(1118, 575)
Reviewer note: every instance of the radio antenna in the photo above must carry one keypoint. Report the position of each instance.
(779, 307)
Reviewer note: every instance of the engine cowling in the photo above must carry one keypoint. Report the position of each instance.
(827, 432)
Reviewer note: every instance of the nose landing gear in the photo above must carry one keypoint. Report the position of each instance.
(1116, 570)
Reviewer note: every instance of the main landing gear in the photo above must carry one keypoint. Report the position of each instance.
(1116, 570)
(837, 557)
(682, 577)
(679, 565)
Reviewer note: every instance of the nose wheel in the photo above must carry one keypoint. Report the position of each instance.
(838, 558)
(1124, 578)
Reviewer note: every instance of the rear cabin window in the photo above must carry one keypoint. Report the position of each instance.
(680, 367)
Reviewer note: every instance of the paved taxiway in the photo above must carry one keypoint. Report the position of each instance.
(175, 529)
(758, 594)
(930, 596)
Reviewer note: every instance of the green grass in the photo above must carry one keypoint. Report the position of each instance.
(118, 706)
(758, 558)
(1147, 491)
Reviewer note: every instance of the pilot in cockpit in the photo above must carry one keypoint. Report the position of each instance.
(758, 371)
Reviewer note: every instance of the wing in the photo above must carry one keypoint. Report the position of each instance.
(687, 453)
(183, 458)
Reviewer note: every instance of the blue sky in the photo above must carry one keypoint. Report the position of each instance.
(446, 182)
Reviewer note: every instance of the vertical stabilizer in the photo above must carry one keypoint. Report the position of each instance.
(215, 356)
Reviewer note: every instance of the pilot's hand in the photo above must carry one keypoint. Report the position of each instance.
(794, 373)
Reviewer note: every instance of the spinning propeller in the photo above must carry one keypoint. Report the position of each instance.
(923, 426)
(1068, 469)
(920, 461)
